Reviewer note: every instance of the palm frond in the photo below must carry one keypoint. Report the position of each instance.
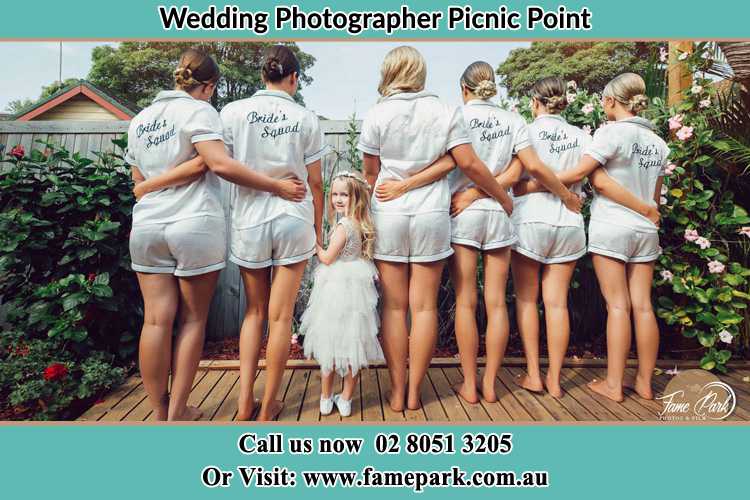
(733, 123)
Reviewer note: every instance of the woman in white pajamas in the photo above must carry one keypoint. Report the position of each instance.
(402, 134)
(177, 243)
(480, 225)
(283, 140)
(551, 238)
(623, 232)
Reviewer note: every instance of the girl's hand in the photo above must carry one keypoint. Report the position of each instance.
(653, 215)
(318, 249)
(140, 191)
(461, 200)
(573, 202)
(291, 189)
(390, 189)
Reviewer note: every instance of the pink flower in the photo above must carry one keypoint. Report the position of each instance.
(663, 201)
(587, 108)
(715, 267)
(17, 152)
(669, 169)
(664, 189)
(685, 133)
(691, 235)
(572, 85)
(586, 129)
(667, 276)
(663, 54)
(294, 338)
(675, 122)
(696, 89)
(725, 337)
(704, 103)
(745, 230)
(703, 243)
(571, 96)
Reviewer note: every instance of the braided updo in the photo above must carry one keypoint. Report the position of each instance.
(629, 90)
(194, 69)
(279, 62)
(550, 92)
(479, 78)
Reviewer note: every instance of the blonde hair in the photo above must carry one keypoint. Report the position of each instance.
(403, 70)
(629, 90)
(479, 78)
(550, 92)
(358, 210)
(195, 68)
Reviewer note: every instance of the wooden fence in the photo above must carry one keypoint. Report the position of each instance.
(87, 137)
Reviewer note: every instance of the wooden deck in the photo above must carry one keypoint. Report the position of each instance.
(216, 387)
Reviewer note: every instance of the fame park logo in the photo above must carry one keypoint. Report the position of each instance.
(696, 395)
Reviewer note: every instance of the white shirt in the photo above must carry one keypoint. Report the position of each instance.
(633, 155)
(273, 135)
(161, 137)
(409, 131)
(560, 146)
(496, 135)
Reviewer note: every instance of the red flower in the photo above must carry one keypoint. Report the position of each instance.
(18, 152)
(55, 371)
(91, 277)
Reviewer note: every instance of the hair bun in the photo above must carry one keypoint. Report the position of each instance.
(556, 103)
(486, 89)
(184, 77)
(638, 103)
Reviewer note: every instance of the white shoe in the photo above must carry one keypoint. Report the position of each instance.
(344, 405)
(326, 405)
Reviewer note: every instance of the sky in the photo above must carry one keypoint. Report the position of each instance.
(345, 74)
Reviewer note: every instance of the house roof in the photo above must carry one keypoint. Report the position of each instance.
(82, 87)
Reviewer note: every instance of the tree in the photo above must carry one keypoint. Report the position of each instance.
(590, 64)
(57, 86)
(136, 71)
(18, 105)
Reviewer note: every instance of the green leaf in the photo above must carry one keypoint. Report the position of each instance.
(73, 300)
(102, 291)
(706, 339)
(700, 294)
(741, 295)
(729, 318)
(102, 279)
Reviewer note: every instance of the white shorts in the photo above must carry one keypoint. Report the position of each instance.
(550, 244)
(483, 229)
(282, 241)
(623, 243)
(187, 247)
(412, 238)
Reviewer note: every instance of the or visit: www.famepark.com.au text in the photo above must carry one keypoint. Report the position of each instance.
(370, 477)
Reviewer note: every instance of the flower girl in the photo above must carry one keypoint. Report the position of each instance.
(340, 323)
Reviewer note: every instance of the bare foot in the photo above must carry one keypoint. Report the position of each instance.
(488, 390)
(396, 403)
(412, 401)
(530, 384)
(601, 387)
(245, 411)
(643, 388)
(271, 411)
(553, 387)
(468, 394)
(189, 414)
